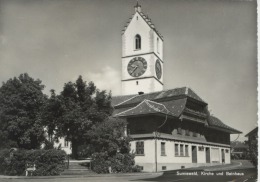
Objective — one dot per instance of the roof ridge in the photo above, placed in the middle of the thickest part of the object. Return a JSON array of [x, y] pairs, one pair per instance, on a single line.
[[156, 108], [130, 108], [134, 96], [188, 88]]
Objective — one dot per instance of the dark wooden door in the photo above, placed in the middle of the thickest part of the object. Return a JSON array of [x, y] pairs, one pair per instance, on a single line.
[[207, 155], [223, 155], [194, 154]]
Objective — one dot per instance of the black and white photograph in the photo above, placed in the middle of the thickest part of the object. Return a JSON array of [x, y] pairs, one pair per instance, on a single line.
[[128, 90]]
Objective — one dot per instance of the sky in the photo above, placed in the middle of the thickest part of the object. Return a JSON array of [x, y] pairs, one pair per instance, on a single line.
[[209, 46]]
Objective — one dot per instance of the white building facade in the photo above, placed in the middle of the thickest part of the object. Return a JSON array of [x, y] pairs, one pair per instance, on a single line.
[[171, 129], [142, 56]]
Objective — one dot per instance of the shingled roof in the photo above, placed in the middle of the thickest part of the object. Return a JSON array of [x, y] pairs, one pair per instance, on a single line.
[[183, 92], [171, 102], [217, 123], [145, 107], [172, 108]]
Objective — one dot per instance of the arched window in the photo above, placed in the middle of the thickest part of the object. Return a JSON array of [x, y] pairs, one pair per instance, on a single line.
[[137, 42]]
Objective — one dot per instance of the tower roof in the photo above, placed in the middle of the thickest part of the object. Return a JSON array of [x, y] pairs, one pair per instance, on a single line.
[[145, 18], [137, 6]]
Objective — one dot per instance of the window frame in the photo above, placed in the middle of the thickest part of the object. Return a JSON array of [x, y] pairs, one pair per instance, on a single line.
[[139, 148], [181, 150], [138, 42], [163, 147], [186, 149], [176, 149], [66, 143]]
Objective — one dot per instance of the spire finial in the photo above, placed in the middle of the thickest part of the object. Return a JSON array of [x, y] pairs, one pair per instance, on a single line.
[[137, 6]]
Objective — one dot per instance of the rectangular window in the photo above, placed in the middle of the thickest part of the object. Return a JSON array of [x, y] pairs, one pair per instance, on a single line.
[[227, 150], [163, 148], [66, 143], [186, 150], [164, 168], [176, 149], [181, 150], [140, 148]]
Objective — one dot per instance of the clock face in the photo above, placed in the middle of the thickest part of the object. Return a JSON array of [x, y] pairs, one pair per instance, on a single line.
[[158, 69], [137, 66]]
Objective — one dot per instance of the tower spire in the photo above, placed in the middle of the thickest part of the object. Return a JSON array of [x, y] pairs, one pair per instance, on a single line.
[[137, 6]]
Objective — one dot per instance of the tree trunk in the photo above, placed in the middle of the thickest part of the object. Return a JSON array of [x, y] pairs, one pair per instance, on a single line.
[[74, 149]]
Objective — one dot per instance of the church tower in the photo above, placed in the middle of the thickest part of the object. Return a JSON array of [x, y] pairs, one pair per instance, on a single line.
[[142, 55]]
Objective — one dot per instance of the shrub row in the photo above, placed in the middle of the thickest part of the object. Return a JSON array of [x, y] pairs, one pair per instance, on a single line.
[[48, 162], [119, 163]]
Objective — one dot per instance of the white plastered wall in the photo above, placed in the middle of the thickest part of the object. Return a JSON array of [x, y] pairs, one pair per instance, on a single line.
[[128, 39], [144, 85], [175, 162]]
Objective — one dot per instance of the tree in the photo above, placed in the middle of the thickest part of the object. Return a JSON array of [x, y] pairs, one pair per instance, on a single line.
[[111, 147], [72, 113], [253, 150], [109, 136], [21, 100]]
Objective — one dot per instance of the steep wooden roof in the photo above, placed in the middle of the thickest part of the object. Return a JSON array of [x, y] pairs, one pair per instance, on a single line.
[[255, 130], [168, 102], [173, 108], [218, 124], [171, 94]]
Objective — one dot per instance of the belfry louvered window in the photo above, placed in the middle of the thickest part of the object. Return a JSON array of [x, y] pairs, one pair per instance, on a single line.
[[137, 42]]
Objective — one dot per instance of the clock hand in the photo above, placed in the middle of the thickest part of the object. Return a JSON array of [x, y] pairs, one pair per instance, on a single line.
[[134, 69]]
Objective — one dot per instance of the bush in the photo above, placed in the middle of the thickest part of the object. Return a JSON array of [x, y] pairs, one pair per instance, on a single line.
[[253, 152], [119, 163], [48, 145], [48, 162], [4, 160]]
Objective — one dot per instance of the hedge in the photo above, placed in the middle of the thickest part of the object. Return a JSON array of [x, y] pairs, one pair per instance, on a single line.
[[119, 163], [48, 162]]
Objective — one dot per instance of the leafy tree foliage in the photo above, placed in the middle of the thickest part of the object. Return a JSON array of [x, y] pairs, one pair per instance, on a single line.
[[110, 137], [253, 151], [111, 147], [21, 100], [72, 113]]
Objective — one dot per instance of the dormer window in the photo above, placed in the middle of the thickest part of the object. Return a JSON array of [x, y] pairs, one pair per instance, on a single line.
[[137, 42]]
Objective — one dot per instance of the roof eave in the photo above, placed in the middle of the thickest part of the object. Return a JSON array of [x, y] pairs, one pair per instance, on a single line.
[[252, 131], [231, 131], [145, 114]]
